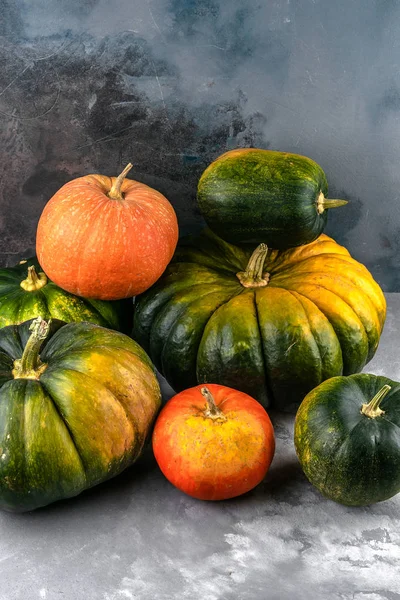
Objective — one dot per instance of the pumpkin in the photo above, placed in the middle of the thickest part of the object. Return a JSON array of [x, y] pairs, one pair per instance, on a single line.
[[73, 416], [273, 324], [213, 442], [26, 292], [347, 438], [264, 196], [106, 238]]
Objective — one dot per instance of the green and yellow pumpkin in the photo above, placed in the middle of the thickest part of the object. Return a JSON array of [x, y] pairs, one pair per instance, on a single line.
[[273, 324], [26, 293], [77, 402]]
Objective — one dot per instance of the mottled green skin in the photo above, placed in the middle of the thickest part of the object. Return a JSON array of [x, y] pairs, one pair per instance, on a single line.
[[18, 305], [199, 324], [349, 457], [253, 195], [78, 424]]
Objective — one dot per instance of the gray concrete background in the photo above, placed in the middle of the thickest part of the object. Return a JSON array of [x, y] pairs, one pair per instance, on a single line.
[[89, 85], [136, 537]]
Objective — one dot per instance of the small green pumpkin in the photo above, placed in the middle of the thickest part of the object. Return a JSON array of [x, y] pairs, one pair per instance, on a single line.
[[26, 293], [254, 195], [347, 438], [72, 417]]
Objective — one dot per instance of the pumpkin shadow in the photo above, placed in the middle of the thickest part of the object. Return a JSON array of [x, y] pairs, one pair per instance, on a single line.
[[282, 484], [282, 480], [118, 491]]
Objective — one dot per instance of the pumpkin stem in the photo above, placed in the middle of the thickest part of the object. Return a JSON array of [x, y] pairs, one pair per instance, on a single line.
[[212, 411], [34, 281], [115, 191], [372, 409], [254, 275], [29, 366], [323, 203]]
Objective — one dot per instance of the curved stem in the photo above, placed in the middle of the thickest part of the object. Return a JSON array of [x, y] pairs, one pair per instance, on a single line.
[[115, 191], [212, 411], [325, 203], [29, 366], [254, 275], [372, 409], [34, 281]]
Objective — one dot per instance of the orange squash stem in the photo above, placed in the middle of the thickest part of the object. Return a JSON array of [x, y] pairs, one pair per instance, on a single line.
[[212, 411], [115, 191]]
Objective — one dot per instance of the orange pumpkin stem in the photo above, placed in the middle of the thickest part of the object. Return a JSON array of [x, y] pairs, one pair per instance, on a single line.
[[212, 411], [115, 191]]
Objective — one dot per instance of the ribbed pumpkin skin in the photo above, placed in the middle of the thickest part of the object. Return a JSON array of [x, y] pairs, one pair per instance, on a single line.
[[18, 305], [253, 195], [82, 422], [320, 315], [351, 458], [98, 247]]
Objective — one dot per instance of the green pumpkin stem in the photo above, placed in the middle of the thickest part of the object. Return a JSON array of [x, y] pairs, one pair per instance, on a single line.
[[325, 203], [212, 411], [34, 281], [372, 409], [254, 275], [29, 366], [115, 191]]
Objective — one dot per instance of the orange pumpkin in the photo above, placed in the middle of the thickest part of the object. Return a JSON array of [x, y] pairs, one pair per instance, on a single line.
[[213, 442], [106, 237]]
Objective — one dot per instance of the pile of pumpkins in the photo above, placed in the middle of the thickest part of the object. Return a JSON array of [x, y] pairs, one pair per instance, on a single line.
[[261, 309]]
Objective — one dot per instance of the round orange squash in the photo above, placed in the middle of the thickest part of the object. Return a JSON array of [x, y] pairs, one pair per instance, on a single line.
[[106, 237], [214, 442]]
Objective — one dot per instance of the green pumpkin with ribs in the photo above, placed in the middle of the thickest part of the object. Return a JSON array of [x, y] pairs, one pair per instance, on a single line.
[[26, 292], [271, 323], [77, 402]]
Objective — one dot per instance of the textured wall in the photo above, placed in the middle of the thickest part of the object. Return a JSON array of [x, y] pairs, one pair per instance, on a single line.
[[89, 85]]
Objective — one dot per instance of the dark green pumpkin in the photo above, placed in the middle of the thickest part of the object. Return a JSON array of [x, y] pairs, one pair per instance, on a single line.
[[26, 292], [74, 417], [347, 438], [272, 324], [253, 195]]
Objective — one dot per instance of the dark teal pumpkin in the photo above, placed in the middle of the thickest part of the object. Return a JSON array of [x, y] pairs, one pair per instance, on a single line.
[[26, 293], [264, 196], [347, 438], [72, 417]]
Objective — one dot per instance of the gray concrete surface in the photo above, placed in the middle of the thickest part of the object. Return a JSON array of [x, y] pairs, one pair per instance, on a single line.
[[138, 538]]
